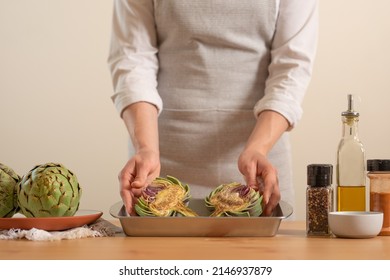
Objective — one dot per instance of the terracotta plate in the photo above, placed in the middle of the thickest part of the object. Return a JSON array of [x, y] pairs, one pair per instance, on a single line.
[[82, 217]]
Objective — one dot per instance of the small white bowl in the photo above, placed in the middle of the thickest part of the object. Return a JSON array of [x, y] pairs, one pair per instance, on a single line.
[[355, 224]]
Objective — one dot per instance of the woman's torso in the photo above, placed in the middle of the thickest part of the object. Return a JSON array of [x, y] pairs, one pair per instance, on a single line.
[[213, 64]]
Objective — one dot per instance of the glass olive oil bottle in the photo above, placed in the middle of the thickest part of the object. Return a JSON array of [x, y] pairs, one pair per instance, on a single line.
[[350, 168]]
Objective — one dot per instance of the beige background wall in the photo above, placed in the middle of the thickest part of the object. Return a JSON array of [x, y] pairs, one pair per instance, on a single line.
[[55, 88]]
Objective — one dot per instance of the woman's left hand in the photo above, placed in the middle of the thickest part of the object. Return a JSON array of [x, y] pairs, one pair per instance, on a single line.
[[260, 174]]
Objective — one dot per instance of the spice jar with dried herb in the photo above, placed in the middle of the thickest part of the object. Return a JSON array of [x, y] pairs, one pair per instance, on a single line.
[[319, 199]]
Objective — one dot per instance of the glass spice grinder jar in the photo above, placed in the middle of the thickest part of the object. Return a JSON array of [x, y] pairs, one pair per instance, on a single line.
[[379, 175], [319, 199]]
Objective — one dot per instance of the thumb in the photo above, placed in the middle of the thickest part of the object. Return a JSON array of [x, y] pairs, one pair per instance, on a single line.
[[140, 180], [251, 179]]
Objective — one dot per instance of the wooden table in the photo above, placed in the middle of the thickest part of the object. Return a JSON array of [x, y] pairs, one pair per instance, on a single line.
[[289, 243]]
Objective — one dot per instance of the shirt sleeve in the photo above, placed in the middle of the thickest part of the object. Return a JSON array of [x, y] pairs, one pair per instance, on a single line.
[[292, 57], [132, 55]]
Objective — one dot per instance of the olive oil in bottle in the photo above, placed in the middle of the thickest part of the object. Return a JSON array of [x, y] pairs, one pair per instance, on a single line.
[[350, 168]]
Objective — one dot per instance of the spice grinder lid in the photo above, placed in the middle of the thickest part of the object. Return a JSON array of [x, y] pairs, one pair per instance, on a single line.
[[319, 175], [378, 165]]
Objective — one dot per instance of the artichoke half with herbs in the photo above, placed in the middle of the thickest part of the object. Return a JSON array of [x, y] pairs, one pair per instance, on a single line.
[[165, 197], [234, 199], [49, 190], [8, 182]]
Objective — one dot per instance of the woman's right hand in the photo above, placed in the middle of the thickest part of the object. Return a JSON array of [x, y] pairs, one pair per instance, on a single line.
[[138, 172]]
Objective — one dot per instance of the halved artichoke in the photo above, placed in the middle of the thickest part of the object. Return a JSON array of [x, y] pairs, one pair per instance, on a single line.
[[49, 190], [165, 197], [8, 201], [234, 199]]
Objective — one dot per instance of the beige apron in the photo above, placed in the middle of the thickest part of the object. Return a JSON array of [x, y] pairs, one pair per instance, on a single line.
[[213, 59]]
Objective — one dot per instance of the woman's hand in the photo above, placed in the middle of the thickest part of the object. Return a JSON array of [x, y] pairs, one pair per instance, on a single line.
[[138, 172], [141, 122], [260, 174], [253, 163]]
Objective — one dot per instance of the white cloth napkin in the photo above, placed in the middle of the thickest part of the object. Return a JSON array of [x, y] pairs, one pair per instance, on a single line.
[[100, 228]]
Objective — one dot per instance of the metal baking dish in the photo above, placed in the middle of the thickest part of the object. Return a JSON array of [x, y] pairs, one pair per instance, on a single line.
[[202, 225]]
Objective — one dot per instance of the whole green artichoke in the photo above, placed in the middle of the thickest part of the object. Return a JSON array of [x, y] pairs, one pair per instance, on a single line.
[[49, 190], [234, 199], [8, 181]]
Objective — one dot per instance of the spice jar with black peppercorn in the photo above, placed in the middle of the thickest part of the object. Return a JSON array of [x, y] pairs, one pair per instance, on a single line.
[[319, 199]]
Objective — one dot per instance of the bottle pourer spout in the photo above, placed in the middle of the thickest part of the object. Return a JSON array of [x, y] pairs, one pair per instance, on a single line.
[[350, 112], [350, 102]]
